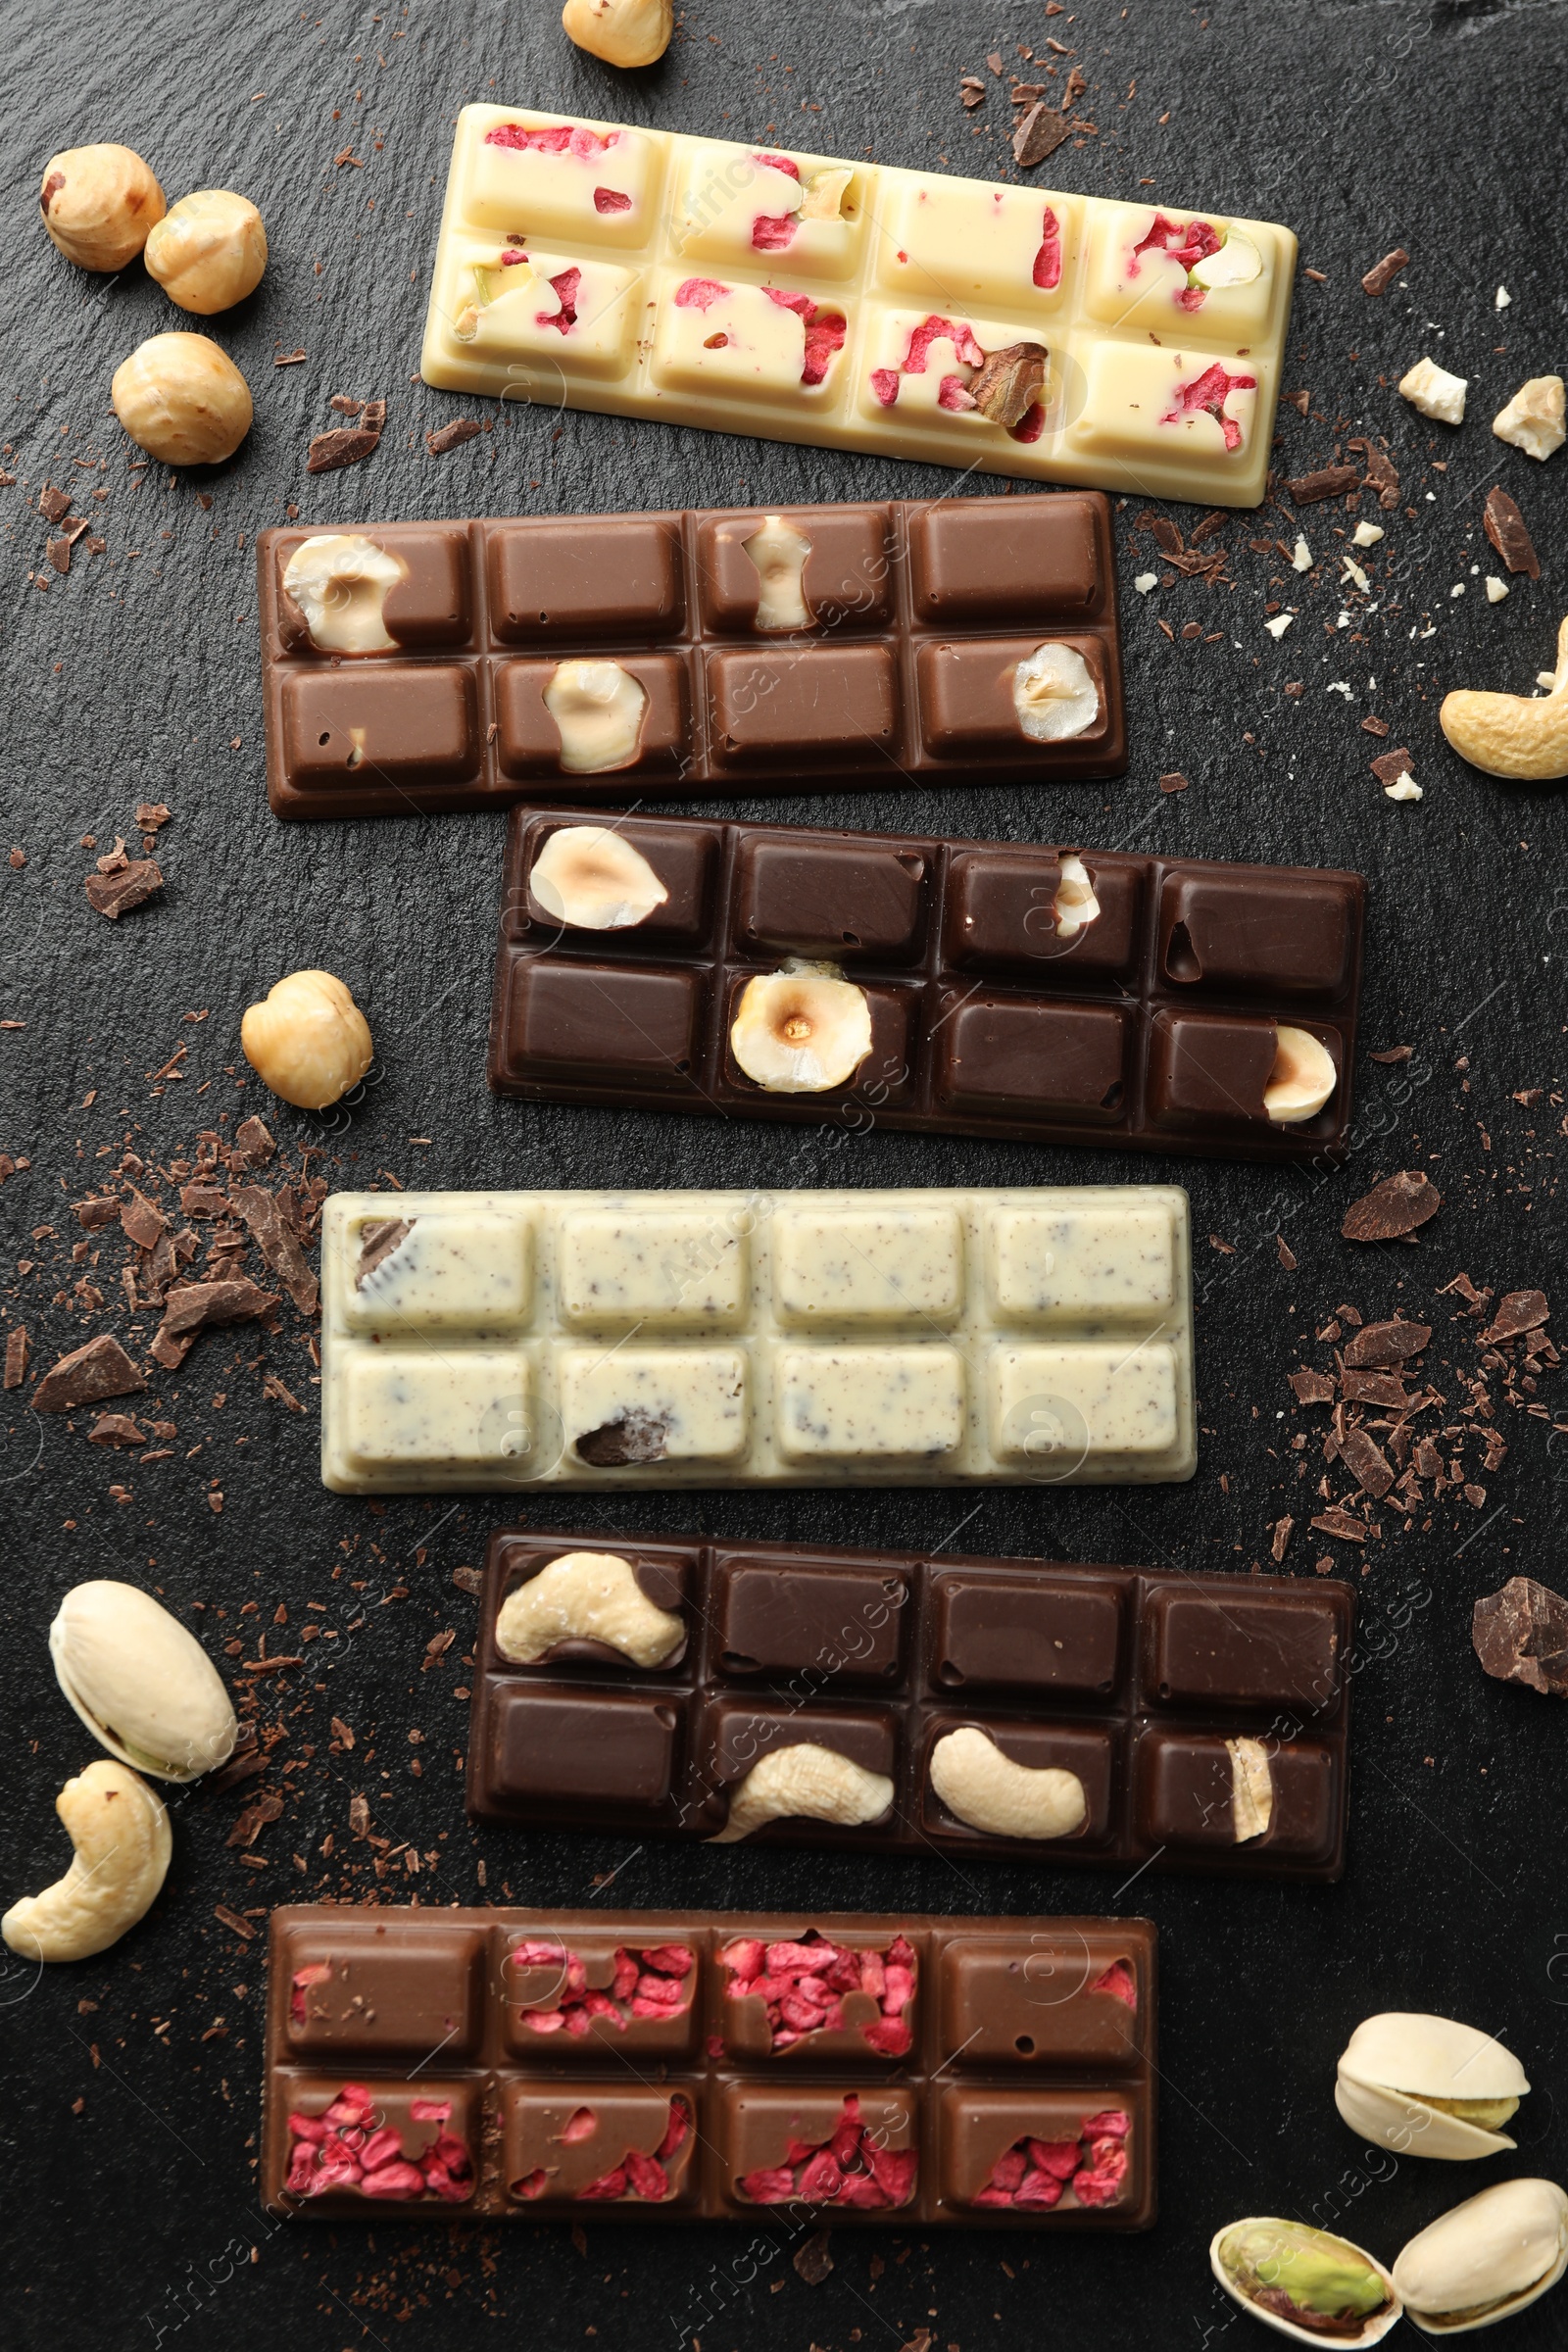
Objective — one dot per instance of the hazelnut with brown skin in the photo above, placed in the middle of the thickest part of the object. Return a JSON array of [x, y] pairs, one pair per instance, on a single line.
[[182, 400], [209, 251], [98, 205]]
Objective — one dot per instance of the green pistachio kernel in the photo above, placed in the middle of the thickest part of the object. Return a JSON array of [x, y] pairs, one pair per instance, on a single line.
[[1287, 2267]]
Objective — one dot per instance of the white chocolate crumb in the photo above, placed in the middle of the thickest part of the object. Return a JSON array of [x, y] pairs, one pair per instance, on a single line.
[[1535, 421], [1278, 627], [1404, 788], [1497, 589], [1457, 589], [1302, 557], [1353, 571], [1501, 298], [1367, 534], [1435, 392], [1144, 581]]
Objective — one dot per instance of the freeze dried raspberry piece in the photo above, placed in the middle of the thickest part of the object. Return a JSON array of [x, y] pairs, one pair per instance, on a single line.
[[1118, 1980], [338, 2149], [803, 1985], [557, 139], [649, 1984], [304, 1977], [638, 2177], [1038, 2172], [1185, 246], [1208, 395], [565, 285], [849, 2168], [1046, 271], [824, 332]]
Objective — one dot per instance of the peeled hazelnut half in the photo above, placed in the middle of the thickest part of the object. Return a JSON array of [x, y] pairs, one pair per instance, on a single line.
[[182, 400], [1237, 263], [1054, 694], [1076, 906], [1303, 1078], [624, 32], [598, 709], [306, 1039], [801, 1030], [340, 581], [209, 251], [98, 204], [778, 552], [593, 879]]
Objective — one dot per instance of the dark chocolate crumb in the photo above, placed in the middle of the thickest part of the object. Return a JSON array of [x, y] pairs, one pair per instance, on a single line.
[[1504, 526], [452, 436], [1393, 1209], [1382, 274]]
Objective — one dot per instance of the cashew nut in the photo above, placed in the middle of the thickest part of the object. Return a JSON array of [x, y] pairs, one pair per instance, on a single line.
[[1510, 734], [120, 1834], [814, 1783], [586, 1597], [984, 1788]]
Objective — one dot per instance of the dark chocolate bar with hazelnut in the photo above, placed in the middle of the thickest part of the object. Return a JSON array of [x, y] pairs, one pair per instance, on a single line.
[[972, 988], [760, 2067], [1021, 1710], [419, 667]]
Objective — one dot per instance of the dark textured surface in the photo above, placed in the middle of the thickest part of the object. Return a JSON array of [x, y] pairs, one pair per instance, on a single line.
[[1363, 125]]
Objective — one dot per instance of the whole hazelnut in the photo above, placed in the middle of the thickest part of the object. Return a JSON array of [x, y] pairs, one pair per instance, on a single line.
[[624, 32], [209, 251], [182, 400], [98, 204], [306, 1039]]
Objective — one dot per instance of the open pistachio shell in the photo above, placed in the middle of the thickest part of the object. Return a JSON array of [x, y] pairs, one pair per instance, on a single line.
[[143, 1685], [1274, 2268], [1428, 2086], [1486, 2258]]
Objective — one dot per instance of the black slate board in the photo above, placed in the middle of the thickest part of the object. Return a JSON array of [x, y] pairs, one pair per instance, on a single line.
[[130, 2139]]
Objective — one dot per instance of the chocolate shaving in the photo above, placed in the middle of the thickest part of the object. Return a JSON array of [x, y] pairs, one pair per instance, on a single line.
[[1504, 526], [468, 1580], [277, 1243], [53, 505], [1382, 474], [1279, 1543], [1343, 1524], [190, 1311], [102, 1210], [1329, 481], [632, 1437], [1382, 1344], [273, 1387], [140, 1221], [1011, 382], [1393, 1209], [1384, 1390], [1367, 1464], [360, 1815], [233, 1921], [1517, 1311], [1285, 1255], [1311, 1388], [254, 1820], [1521, 1636], [242, 1768], [346, 446], [1390, 766], [1175, 782], [377, 1243], [86, 1376], [453, 435], [112, 894], [1038, 134], [1382, 274], [116, 1429], [1166, 535], [254, 1142], [812, 2260], [1392, 1053], [15, 1356]]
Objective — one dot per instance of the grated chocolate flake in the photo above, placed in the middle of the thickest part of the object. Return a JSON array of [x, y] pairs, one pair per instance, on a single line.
[[1391, 1210]]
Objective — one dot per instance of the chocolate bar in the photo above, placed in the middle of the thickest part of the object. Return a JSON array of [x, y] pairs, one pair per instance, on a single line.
[[420, 666], [706, 1338], [1014, 331], [969, 988], [794, 1694], [710, 2066]]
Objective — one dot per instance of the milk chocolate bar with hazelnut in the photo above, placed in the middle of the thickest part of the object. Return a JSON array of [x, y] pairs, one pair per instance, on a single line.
[[671, 2065], [420, 666], [958, 987], [749, 289], [899, 1703], [890, 1337]]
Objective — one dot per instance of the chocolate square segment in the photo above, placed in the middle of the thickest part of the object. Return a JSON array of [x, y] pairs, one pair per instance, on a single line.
[[845, 1624], [360, 1989], [432, 604], [1086, 1750], [371, 725], [999, 917], [965, 694], [970, 567], [837, 705], [993, 1634], [1182, 1798], [682, 856], [1291, 933], [1209, 1068], [610, 1020], [1048, 2001], [844, 900], [1001, 1053], [1234, 1653], [759, 2126], [578, 1750], [847, 579], [573, 2000], [528, 740], [736, 1734], [598, 576], [886, 1068], [977, 2129], [585, 2144]]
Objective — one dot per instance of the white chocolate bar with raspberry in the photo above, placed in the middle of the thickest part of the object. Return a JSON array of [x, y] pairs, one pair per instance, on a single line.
[[677, 1339], [1001, 328]]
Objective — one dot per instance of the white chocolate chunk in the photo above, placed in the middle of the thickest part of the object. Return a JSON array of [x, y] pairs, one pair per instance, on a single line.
[[1367, 534], [436, 1410], [989, 1791], [1435, 392], [1534, 420], [806, 1782], [1058, 1265], [586, 1597], [1076, 906], [636, 1406], [1252, 1789], [869, 1403], [1278, 627], [1049, 1407], [778, 550], [1497, 589], [845, 1266], [1302, 556], [340, 581], [654, 1271], [1144, 581], [1054, 694], [599, 709], [591, 878]]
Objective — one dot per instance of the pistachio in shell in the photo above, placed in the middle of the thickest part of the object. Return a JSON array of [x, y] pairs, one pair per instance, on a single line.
[[1428, 2086], [1486, 2259], [1304, 2282], [142, 1685]]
